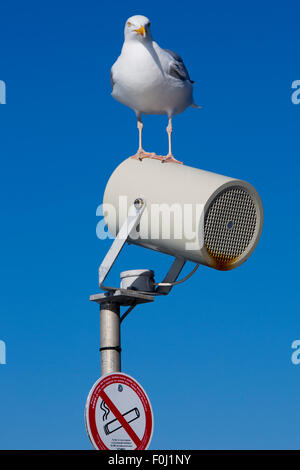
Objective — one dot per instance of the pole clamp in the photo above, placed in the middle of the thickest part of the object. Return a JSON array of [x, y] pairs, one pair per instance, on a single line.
[[115, 348]]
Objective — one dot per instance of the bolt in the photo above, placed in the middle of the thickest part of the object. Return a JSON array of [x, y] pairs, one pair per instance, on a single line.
[[138, 203]]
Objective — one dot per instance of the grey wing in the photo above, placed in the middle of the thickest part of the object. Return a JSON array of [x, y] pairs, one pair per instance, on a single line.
[[177, 69]]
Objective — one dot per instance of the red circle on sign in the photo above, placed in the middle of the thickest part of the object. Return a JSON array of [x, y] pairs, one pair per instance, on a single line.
[[99, 391]]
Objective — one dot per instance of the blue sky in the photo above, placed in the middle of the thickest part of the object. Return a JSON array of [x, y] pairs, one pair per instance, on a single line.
[[214, 356]]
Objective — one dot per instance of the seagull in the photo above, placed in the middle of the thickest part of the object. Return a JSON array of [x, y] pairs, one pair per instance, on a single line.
[[150, 80]]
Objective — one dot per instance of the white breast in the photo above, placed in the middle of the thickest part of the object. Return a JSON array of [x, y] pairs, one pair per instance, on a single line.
[[141, 82]]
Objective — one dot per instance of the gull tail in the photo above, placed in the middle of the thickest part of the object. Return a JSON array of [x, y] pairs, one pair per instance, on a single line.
[[193, 105]]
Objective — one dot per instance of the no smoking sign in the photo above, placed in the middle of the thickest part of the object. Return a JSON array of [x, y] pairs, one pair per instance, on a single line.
[[118, 414]]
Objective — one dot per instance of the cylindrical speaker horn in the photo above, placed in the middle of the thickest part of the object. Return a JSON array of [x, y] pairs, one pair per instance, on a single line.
[[199, 215]]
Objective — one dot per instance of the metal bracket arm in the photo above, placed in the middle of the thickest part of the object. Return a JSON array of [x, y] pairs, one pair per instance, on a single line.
[[129, 226], [171, 276]]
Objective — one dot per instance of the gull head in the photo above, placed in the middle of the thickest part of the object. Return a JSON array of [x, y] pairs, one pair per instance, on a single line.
[[137, 28]]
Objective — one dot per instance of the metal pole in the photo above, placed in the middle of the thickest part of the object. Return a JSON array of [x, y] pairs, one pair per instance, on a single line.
[[110, 342]]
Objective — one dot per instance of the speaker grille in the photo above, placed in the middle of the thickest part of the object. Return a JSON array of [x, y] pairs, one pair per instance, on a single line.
[[229, 226]]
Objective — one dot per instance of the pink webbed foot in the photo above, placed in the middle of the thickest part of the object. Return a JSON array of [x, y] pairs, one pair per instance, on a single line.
[[170, 159], [141, 154]]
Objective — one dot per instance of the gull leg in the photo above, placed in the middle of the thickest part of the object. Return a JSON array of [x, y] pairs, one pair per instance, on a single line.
[[170, 158], [141, 153]]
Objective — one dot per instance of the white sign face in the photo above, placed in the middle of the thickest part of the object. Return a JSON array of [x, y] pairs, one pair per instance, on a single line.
[[118, 414]]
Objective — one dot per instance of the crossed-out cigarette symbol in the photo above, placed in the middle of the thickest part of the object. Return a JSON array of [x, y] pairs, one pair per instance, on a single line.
[[114, 424]]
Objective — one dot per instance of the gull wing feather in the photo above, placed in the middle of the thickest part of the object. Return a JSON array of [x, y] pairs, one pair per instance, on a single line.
[[177, 69]]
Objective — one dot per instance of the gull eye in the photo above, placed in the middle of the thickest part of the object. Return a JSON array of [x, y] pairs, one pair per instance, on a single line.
[[129, 24]]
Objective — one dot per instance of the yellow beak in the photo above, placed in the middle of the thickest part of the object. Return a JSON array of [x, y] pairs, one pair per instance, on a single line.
[[141, 31]]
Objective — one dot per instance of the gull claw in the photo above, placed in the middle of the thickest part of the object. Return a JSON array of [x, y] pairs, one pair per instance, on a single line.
[[141, 154], [170, 159]]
